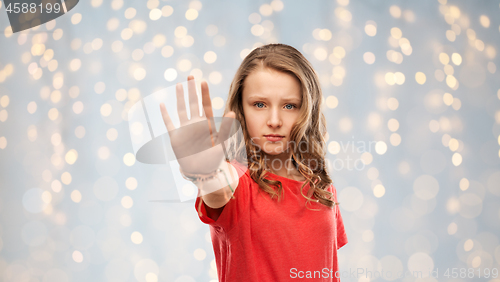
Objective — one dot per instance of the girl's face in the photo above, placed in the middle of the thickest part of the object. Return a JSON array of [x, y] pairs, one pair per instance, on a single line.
[[271, 102]]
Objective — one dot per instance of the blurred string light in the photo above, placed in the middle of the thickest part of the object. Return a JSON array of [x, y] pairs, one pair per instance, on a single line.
[[131, 34], [421, 78]]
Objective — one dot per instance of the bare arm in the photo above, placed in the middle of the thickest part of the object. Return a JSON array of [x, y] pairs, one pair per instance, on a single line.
[[189, 143], [216, 192]]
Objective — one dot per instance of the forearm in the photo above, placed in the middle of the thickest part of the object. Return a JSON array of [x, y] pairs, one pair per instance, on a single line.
[[216, 192]]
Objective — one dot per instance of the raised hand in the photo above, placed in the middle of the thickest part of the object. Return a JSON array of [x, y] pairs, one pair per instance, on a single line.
[[196, 144]]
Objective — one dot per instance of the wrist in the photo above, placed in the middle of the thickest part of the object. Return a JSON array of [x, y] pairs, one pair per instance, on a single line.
[[199, 177], [222, 182]]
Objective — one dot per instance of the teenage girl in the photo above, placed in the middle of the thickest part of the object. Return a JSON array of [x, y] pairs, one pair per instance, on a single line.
[[279, 219]]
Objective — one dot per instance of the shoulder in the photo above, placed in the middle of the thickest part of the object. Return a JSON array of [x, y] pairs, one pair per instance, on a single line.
[[331, 188]]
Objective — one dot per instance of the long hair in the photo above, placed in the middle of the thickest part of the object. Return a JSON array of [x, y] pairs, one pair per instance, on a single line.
[[308, 144]]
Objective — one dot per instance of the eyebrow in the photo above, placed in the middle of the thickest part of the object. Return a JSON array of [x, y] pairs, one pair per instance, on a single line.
[[290, 99]]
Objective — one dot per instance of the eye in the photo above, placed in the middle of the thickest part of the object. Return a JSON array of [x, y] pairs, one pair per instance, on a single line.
[[258, 103], [292, 106]]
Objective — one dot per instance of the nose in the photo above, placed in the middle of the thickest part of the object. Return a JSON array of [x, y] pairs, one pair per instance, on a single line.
[[274, 119]]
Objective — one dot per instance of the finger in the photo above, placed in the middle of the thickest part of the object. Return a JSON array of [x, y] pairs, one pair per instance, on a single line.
[[226, 125], [207, 102], [207, 109], [181, 105], [194, 106], [166, 118]]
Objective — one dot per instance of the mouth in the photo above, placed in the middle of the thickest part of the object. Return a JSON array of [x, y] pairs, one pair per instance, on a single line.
[[274, 137]]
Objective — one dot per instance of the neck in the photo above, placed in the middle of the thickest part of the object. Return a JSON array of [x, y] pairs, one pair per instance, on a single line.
[[281, 165]]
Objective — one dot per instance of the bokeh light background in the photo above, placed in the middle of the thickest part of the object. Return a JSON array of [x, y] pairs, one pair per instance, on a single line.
[[411, 91]]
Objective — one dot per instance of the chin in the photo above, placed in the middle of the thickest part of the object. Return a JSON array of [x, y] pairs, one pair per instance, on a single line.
[[273, 153], [273, 150]]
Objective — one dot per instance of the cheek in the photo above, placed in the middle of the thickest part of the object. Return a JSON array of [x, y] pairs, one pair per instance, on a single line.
[[254, 126], [288, 123], [251, 128]]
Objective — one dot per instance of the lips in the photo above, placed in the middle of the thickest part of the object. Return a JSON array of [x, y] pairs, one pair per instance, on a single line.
[[274, 137]]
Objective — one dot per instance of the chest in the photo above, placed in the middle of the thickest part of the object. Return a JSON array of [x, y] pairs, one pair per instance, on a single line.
[[290, 216]]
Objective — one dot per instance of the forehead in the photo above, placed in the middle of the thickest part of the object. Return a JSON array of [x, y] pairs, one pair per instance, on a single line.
[[270, 83]]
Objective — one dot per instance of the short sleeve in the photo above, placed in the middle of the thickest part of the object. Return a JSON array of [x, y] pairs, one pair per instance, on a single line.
[[228, 215], [341, 235]]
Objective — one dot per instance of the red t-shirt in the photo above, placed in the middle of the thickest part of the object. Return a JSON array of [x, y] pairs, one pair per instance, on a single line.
[[256, 238]]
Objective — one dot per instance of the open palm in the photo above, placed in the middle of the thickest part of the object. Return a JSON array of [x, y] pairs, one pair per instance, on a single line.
[[196, 143]]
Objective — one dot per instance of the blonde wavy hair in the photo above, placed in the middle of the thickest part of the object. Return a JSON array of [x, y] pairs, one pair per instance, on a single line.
[[308, 134]]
